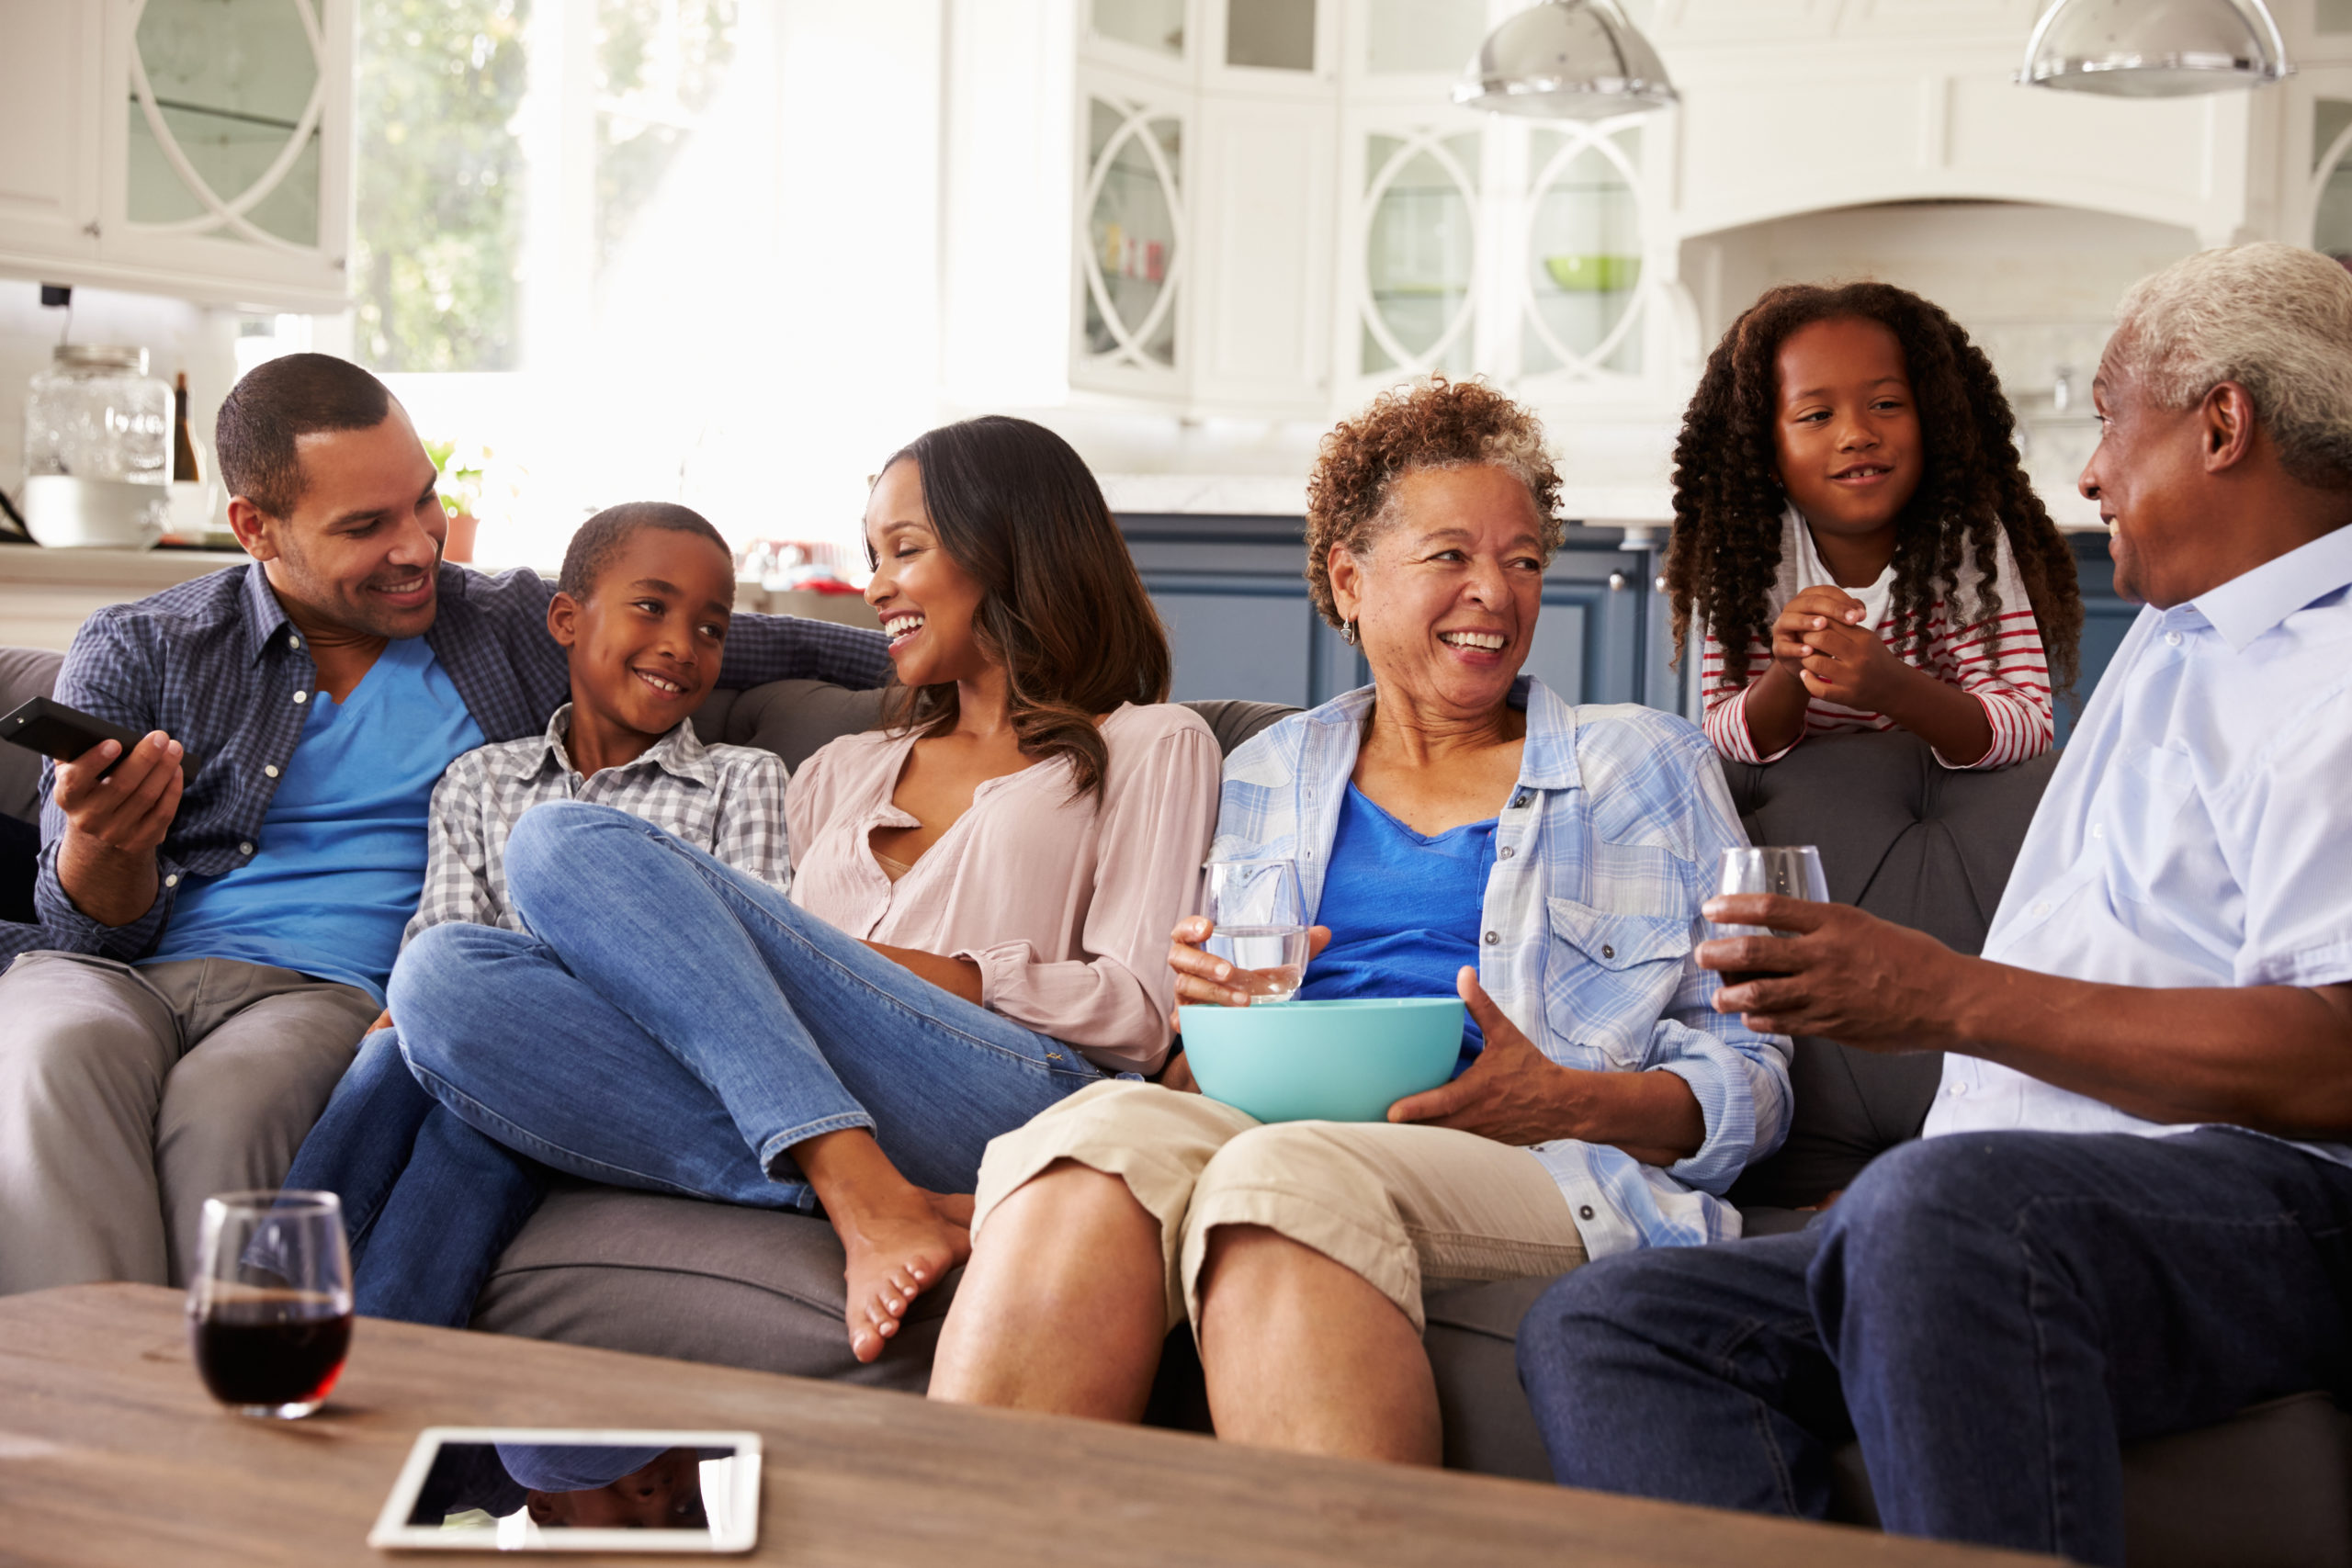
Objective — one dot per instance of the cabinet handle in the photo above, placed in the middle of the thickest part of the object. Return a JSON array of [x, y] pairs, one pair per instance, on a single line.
[[1660, 582], [91, 228], [1616, 583]]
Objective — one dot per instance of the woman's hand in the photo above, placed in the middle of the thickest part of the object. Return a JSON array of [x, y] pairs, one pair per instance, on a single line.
[[1205, 979], [383, 1021], [1514, 1094]]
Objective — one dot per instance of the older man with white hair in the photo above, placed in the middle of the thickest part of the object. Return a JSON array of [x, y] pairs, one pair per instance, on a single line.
[[2132, 1211]]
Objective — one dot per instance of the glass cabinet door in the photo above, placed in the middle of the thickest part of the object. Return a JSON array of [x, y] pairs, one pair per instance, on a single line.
[[1424, 37], [2332, 209], [1584, 254], [1420, 251], [226, 97], [1154, 25], [1133, 202]]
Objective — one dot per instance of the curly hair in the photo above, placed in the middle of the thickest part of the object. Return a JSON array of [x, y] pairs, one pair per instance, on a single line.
[[1429, 423], [1728, 501]]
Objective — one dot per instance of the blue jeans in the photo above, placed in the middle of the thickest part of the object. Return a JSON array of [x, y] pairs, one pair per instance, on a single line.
[[428, 1202], [1991, 1314], [673, 1025]]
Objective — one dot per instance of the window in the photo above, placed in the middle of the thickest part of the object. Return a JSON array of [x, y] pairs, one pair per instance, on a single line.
[[563, 207]]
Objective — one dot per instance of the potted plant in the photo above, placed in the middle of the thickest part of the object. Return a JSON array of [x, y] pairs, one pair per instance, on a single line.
[[460, 487]]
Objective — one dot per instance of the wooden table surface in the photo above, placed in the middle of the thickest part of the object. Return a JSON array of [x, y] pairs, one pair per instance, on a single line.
[[111, 1452]]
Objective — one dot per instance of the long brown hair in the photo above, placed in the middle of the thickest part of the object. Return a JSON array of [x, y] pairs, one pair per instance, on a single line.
[[1062, 606], [1728, 501]]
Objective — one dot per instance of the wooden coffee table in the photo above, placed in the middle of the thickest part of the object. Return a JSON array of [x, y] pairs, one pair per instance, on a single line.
[[111, 1452]]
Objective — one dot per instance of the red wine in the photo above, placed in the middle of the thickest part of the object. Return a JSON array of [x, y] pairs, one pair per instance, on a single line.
[[284, 1348]]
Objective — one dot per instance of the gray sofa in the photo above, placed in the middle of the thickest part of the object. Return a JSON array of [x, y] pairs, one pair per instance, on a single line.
[[1899, 836]]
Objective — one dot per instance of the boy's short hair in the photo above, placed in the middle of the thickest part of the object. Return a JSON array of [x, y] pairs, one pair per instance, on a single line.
[[601, 537], [275, 404]]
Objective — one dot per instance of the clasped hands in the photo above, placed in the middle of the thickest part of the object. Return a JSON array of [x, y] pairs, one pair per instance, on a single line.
[[1820, 640]]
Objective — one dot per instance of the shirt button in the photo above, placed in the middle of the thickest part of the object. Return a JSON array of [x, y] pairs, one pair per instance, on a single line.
[[269, 770], [301, 696], [293, 641], [173, 880], [1607, 951], [1505, 852], [2041, 910], [244, 849], [1583, 1211], [2172, 639], [2098, 831], [1958, 1089], [1493, 937]]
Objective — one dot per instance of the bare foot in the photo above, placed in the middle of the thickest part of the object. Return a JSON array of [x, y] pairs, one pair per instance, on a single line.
[[899, 1247], [955, 1208]]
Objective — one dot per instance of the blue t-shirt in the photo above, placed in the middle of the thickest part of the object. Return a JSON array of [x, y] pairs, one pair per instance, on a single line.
[[1403, 910], [340, 862]]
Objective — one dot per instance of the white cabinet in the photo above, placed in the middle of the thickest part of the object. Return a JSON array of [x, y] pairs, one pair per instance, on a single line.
[[194, 147]]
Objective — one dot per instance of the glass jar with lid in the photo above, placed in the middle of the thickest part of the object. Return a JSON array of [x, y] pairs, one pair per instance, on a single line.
[[98, 449]]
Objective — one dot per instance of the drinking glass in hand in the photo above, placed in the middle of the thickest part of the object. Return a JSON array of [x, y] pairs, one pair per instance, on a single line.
[[1792, 871], [1260, 925], [270, 1307]]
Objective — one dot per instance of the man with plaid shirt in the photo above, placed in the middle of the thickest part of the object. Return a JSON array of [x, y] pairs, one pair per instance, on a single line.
[[204, 966]]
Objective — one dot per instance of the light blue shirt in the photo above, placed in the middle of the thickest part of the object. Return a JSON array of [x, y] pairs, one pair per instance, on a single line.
[[1603, 853], [2197, 830], [335, 873]]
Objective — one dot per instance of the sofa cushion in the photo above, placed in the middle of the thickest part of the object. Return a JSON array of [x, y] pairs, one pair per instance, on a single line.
[[24, 673], [755, 1288], [1912, 841]]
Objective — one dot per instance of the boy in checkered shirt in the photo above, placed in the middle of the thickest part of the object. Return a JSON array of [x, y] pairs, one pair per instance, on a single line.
[[641, 611]]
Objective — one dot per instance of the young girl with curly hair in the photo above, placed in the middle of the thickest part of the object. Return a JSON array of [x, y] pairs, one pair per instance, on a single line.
[[1851, 517]]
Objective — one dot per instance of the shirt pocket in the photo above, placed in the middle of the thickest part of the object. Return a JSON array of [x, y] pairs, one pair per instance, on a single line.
[[2140, 831], [1611, 975]]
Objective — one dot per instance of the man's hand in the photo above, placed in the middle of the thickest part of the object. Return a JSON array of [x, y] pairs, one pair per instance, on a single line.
[[1847, 976], [113, 825], [383, 1021]]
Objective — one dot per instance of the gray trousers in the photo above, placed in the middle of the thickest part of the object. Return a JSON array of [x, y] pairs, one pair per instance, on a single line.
[[129, 1096]]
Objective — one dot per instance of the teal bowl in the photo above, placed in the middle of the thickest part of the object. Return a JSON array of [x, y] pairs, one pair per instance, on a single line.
[[1339, 1061]]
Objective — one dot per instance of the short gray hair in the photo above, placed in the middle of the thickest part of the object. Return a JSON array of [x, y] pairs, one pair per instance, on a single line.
[[2275, 319]]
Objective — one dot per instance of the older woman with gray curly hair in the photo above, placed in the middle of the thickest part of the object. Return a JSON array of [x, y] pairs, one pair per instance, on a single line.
[[1458, 828]]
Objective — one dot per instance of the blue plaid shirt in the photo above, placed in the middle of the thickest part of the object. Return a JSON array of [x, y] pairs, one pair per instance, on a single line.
[[215, 665], [1609, 844]]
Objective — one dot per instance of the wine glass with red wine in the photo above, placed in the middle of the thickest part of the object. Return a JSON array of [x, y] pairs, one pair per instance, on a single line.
[[1793, 871], [270, 1307]]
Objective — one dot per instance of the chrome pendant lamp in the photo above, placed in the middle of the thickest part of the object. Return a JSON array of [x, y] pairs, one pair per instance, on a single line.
[[1566, 59], [2154, 48]]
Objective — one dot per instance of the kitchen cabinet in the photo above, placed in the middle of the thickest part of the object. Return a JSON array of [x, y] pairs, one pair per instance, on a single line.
[[1271, 209], [194, 147], [1233, 596]]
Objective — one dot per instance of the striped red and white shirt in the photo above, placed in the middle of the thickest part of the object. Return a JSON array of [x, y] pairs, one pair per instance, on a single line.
[[2001, 665]]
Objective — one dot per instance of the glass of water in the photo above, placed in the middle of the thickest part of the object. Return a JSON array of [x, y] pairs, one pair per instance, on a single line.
[[1793, 871], [1260, 925]]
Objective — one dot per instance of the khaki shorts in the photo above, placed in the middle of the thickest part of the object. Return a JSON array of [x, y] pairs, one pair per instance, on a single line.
[[1398, 1204]]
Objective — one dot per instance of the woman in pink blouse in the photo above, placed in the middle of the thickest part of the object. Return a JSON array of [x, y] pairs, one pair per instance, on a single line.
[[1005, 858]]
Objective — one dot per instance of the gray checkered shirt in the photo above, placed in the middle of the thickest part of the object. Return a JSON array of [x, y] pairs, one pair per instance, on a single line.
[[726, 799]]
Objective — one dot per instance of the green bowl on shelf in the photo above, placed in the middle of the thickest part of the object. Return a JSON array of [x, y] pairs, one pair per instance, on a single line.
[[1336, 1060], [1593, 274]]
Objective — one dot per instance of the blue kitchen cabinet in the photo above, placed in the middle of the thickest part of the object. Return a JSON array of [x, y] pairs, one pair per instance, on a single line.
[[1233, 593]]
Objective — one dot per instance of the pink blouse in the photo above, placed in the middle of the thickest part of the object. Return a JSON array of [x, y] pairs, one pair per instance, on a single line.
[[1066, 905]]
